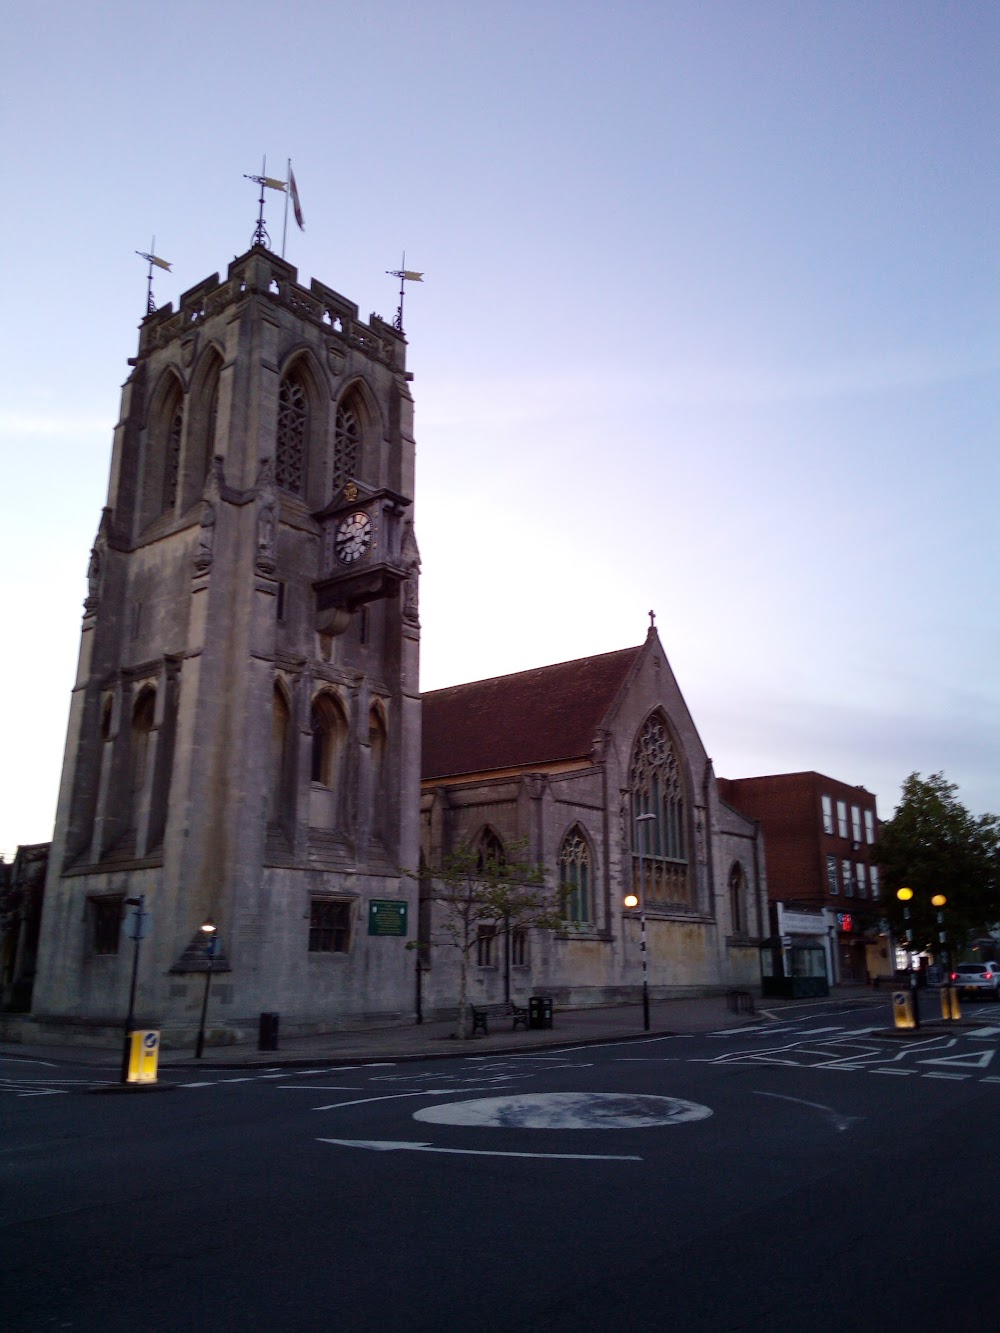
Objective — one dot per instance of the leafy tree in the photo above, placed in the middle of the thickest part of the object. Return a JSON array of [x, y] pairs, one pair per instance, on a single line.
[[475, 890], [933, 845]]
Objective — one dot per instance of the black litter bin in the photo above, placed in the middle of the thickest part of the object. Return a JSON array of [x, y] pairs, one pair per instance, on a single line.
[[540, 1011], [267, 1039]]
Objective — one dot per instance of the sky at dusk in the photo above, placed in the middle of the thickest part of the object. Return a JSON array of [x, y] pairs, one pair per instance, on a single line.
[[710, 325]]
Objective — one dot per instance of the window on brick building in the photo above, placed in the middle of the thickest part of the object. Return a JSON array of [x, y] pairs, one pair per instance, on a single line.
[[848, 878], [842, 818], [827, 814], [832, 882], [862, 873], [876, 884], [856, 823], [869, 826]]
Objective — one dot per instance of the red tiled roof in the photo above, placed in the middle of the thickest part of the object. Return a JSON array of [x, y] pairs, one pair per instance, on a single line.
[[532, 717]]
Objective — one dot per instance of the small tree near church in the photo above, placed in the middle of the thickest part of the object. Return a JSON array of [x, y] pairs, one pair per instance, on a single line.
[[476, 891]]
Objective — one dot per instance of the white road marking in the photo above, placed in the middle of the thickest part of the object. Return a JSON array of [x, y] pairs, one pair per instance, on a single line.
[[319, 1087], [931, 1074], [565, 1110], [902, 1073], [196, 1085], [969, 1060], [840, 1121], [389, 1097], [984, 1032], [383, 1145]]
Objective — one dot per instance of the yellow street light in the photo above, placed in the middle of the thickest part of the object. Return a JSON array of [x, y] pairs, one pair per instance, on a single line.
[[904, 895], [939, 900], [631, 900]]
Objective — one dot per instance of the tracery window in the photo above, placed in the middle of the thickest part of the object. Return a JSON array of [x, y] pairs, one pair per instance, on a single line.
[[346, 444], [658, 813], [490, 855], [293, 426], [574, 877]]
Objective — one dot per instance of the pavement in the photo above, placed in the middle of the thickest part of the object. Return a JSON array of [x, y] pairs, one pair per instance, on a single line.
[[421, 1041]]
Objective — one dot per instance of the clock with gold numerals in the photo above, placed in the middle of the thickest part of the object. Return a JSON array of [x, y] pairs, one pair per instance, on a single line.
[[353, 537]]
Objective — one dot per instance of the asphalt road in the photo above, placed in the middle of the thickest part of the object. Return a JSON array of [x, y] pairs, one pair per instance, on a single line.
[[794, 1176]]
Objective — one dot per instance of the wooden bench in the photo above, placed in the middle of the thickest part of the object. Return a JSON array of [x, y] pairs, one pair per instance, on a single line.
[[482, 1013]]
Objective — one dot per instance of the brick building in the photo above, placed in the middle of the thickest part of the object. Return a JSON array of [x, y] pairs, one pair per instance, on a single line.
[[822, 884]]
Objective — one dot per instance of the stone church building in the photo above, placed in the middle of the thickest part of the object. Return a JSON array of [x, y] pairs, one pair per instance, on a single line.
[[244, 741]]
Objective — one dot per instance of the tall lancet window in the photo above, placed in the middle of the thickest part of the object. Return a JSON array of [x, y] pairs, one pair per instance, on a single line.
[[574, 877], [293, 428], [658, 819], [346, 444], [172, 453]]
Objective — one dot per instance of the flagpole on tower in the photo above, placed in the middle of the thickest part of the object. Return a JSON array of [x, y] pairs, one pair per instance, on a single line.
[[284, 225], [404, 275], [260, 236], [152, 259]]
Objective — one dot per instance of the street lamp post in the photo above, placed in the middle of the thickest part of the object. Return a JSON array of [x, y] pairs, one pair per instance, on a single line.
[[940, 902], [139, 905], [210, 929], [904, 896], [632, 901]]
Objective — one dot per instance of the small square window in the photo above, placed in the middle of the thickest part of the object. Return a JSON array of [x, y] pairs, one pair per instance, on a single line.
[[329, 926]]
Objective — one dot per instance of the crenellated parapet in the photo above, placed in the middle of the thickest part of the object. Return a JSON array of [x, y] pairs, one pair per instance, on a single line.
[[264, 276]]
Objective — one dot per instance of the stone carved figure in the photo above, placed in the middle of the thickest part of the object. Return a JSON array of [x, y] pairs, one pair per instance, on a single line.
[[267, 522], [411, 586], [209, 513], [98, 557]]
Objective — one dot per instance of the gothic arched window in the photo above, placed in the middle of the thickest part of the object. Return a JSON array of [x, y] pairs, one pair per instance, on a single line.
[[280, 729], [142, 726], [293, 431], [738, 899], [658, 819], [490, 854], [202, 423], [346, 443], [377, 742], [329, 734], [172, 451], [575, 877]]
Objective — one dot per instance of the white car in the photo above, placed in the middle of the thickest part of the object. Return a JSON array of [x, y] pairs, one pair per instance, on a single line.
[[977, 979]]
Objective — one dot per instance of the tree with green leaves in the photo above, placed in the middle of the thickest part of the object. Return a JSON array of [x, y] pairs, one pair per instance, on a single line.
[[933, 845], [476, 890]]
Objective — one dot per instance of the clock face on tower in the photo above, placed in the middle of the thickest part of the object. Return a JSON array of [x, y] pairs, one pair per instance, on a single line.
[[353, 537]]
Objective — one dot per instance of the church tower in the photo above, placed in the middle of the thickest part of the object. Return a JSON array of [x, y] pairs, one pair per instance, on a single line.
[[244, 735]]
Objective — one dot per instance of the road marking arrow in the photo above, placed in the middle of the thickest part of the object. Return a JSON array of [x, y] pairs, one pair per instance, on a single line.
[[970, 1060], [397, 1145]]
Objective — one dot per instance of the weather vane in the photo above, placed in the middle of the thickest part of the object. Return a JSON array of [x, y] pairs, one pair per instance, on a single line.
[[151, 258], [260, 236], [404, 275]]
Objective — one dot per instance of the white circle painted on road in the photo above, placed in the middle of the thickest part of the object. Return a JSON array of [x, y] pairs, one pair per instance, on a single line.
[[565, 1110]]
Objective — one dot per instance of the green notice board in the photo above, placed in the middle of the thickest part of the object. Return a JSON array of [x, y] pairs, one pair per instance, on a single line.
[[386, 916]]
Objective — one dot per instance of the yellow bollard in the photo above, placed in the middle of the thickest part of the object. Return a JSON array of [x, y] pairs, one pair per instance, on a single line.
[[950, 1008], [144, 1057], [902, 1009]]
